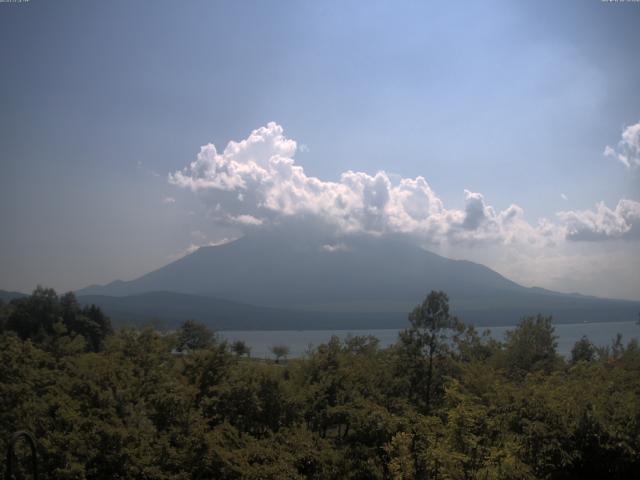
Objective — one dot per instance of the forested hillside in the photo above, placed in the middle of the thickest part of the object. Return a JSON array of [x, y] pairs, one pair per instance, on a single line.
[[444, 402]]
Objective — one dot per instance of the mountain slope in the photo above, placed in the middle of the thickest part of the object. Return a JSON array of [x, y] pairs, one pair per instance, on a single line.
[[374, 276], [268, 270], [7, 296], [169, 309]]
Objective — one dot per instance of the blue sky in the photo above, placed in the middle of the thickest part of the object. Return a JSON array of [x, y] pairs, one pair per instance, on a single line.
[[101, 101]]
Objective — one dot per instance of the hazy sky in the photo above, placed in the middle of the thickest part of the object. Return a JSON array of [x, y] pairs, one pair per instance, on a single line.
[[500, 126]]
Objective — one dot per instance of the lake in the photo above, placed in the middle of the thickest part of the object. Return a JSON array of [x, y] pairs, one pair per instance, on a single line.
[[299, 341]]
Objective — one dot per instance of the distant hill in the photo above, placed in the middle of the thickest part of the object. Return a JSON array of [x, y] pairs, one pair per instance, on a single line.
[[311, 284], [7, 296], [167, 310]]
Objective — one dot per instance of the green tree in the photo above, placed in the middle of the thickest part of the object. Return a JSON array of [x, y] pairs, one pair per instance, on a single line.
[[39, 317], [89, 321], [531, 347], [583, 351], [426, 341], [349, 410], [617, 346], [240, 348], [280, 351], [194, 336], [4, 315], [34, 316], [96, 325]]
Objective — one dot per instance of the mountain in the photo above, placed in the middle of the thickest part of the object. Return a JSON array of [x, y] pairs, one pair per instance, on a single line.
[[169, 309], [271, 271], [7, 296], [364, 275]]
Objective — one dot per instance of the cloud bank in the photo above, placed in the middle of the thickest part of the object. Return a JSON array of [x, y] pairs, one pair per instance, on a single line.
[[603, 223], [627, 151], [256, 182]]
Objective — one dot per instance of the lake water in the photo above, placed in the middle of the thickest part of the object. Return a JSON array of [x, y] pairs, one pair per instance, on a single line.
[[299, 341]]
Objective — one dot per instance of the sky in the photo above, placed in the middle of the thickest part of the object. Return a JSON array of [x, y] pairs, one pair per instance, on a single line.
[[506, 133]]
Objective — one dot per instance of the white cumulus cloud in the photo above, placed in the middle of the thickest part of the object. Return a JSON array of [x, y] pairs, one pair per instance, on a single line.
[[245, 220], [195, 246], [627, 151], [603, 222], [338, 247], [256, 182]]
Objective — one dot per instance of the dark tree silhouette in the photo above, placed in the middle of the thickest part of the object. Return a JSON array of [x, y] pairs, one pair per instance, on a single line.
[[240, 348], [428, 337], [194, 336], [280, 351]]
